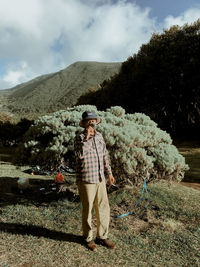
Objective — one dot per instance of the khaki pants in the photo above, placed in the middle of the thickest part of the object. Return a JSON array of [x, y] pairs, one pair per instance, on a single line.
[[94, 195]]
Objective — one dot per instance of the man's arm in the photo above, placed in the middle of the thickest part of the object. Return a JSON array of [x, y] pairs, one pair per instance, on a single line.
[[107, 166], [81, 147]]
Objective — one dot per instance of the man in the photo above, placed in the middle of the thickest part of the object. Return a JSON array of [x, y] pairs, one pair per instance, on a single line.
[[92, 164]]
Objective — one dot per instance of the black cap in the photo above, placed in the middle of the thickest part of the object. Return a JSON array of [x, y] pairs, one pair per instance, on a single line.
[[87, 115]]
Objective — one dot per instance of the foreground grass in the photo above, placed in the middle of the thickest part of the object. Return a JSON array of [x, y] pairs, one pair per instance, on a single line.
[[49, 234]]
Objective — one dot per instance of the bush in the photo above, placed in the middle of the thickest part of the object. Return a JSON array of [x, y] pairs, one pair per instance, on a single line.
[[12, 133], [138, 149]]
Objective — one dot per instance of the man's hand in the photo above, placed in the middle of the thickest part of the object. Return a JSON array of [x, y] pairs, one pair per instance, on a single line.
[[111, 180], [89, 131]]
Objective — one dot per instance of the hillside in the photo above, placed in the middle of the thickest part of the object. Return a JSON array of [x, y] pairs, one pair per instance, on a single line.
[[58, 90]]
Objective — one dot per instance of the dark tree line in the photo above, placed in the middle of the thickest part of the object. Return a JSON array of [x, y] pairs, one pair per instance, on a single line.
[[162, 80], [11, 134]]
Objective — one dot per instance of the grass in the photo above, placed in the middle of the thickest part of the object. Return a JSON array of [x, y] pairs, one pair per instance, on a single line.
[[191, 151], [49, 234], [192, 158], [44, 232]]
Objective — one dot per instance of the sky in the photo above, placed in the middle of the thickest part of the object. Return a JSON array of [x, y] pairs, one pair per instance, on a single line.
[[43, 36]]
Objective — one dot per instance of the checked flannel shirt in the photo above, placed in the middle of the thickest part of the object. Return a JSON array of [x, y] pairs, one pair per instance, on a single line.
[[91, 158]]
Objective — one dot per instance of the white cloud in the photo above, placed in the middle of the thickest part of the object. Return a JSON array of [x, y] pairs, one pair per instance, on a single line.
[[14, 77], [17, 74], [43, 36], [49, 35], [189, 16], [110, 33]]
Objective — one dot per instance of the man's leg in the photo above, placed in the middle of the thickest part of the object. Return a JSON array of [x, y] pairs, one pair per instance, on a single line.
[[102, 209], [103, 215], [87, 194]]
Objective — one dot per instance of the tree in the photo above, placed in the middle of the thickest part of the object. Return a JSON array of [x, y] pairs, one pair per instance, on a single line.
[[12, 133], [162, 80]]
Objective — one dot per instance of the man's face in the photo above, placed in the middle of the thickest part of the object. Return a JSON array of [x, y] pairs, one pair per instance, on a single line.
[[89, 122]]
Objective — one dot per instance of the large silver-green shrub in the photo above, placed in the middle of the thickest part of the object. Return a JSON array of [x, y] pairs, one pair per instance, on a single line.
[[138, 149]]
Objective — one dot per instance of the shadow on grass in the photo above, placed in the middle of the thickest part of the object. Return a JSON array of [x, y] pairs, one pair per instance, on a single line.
[[11, 195], [39, 231]]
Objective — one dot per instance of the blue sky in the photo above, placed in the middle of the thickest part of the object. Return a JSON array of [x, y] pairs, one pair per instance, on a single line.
[[162, 8], [44, 36]]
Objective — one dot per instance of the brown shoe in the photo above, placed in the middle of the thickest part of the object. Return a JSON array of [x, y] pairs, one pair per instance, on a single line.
[[106, 242], [91, 245]]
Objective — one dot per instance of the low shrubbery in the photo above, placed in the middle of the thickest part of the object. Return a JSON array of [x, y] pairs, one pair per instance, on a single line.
[[11, 133], [138, 149]]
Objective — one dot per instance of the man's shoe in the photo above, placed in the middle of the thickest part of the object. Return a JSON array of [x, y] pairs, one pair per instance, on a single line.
[[91, 245], [106, 242]]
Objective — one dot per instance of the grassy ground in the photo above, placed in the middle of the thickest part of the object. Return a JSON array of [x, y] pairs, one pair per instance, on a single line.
[[191, 152], [38, 230], [48, 233]]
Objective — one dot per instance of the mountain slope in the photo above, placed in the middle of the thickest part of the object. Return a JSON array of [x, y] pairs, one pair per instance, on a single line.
[[61, 89]]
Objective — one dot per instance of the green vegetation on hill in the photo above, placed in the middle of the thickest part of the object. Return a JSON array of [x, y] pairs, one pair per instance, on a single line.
[[59, 90], [162, 80]]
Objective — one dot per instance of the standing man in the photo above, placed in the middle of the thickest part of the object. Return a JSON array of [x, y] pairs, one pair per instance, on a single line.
[[91, 166]]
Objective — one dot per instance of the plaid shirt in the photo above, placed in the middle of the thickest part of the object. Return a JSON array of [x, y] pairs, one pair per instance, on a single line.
[[91, 158]]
